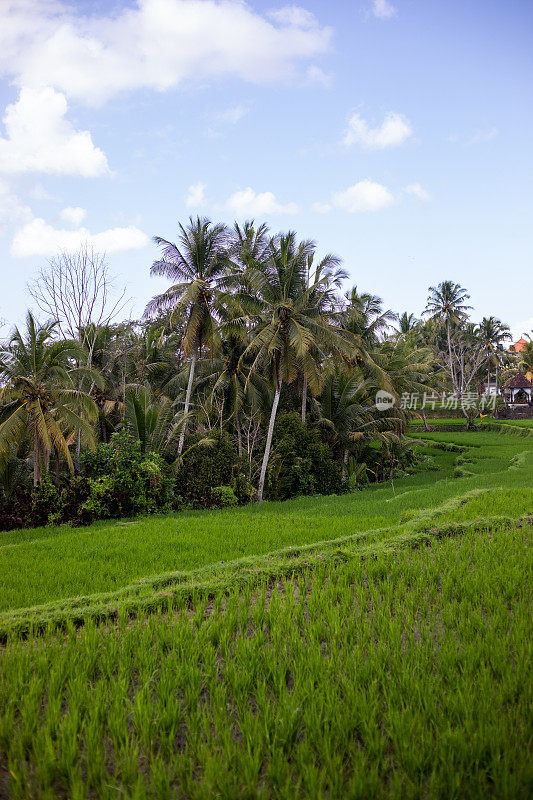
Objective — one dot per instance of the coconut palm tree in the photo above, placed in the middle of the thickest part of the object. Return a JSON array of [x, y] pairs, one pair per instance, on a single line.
[[322, 282], [40, 395], [492, 333], [291, 336], [198, 266], [346, 411], [365, 317], [406, 322], [447, 303]]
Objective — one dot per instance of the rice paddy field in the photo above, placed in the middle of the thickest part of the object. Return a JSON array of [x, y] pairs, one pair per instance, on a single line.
[[371, 645]]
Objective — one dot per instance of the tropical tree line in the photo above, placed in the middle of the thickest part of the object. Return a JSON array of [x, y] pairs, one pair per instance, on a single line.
[[253, 329]]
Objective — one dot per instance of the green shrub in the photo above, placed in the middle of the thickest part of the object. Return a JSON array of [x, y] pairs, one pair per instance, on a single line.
[[223, 497], [244, 491], [46, 503], [204, 467], [300, 463], [124, 482]]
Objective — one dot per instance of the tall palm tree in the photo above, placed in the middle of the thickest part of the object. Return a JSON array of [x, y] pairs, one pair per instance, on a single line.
[[40, 394], [365, 317], [447, 303], [198, 266], [347, 412], [322, 282], [291, 336], [492, 333], [406, 322]]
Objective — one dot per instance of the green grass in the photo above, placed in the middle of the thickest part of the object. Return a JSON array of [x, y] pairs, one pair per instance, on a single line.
[[403, 675], [44, 565], [374, 645]]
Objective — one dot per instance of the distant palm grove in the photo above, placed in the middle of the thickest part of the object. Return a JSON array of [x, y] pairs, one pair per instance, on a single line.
[[252, 376]]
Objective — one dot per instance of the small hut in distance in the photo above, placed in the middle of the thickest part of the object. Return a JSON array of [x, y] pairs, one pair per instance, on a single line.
[[518, 390]]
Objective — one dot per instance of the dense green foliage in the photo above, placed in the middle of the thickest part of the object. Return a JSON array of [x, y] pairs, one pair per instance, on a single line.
[[302, 464], [253, 326]]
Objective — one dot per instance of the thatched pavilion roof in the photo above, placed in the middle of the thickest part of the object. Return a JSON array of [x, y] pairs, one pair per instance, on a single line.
[[518, 381]]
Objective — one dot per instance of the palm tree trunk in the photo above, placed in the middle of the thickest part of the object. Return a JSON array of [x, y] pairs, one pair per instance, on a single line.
[[345, 463], [266, 456], [37, 466], [239, 433], [450, 353], [304, 399], [187, 401]]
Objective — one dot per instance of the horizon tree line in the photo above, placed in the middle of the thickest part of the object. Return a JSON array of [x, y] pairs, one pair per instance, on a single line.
[[250, 321]]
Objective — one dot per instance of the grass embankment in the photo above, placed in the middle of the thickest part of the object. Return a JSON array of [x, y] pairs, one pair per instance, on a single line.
[[405, 674], [385, 652], [48, 565]]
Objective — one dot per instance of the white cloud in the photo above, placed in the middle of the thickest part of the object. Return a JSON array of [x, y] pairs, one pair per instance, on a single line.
[[195, 195], [363, 196], [316, 75], [482, 136], [232, 115], [155, 44], [321, 208], [393, 131], [40, 139], [246, 203], [382, 9], [73, 215], [12, 211], [37, 238], [295, 16], [418, 191]]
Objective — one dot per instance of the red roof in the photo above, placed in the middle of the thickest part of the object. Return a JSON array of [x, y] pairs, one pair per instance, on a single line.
[[518, 381], [519, 345]]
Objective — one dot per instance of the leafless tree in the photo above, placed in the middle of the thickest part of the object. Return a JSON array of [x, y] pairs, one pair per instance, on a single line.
[[76, 289]]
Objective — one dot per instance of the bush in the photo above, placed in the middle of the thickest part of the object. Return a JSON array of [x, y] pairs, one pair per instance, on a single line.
[[300, 463], [46, 505], [122, 482], [223, 497], [204, 467], [244, 491]]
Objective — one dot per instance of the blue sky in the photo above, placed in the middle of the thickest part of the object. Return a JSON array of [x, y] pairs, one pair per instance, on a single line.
[[397, 133]]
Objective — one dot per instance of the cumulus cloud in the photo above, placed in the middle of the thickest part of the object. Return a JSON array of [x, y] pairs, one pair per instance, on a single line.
[[13, 211], [73, 215], [37, 238], [40, 139], [247, 203], [393, 131], [321, 208], [363, 196], [418, 191], [382, 9], [195, 195], [154, 44]]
